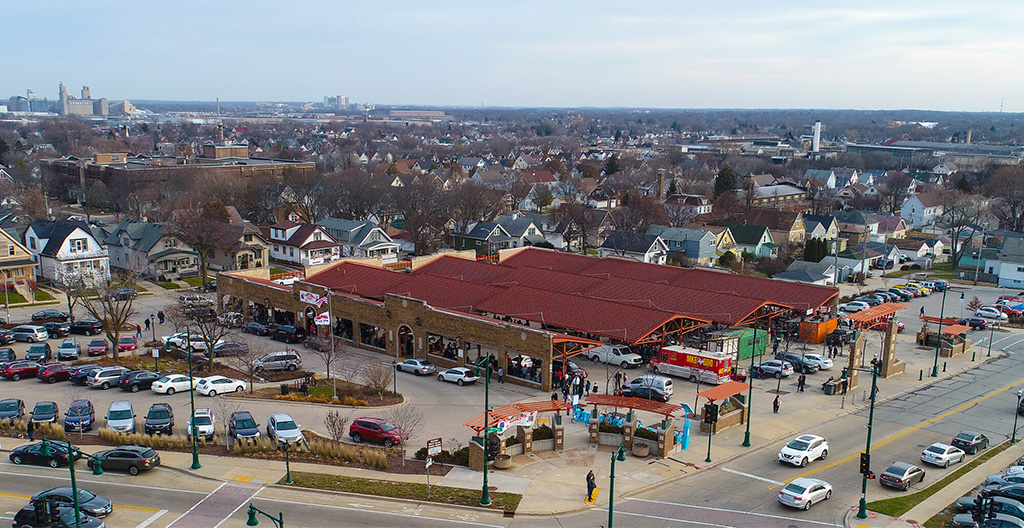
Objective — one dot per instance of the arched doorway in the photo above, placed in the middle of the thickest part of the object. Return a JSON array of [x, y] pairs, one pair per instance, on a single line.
[[405, 342], [308, 325]]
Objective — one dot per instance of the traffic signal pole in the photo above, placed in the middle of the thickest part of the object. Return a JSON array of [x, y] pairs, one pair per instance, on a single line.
[[862, 511]]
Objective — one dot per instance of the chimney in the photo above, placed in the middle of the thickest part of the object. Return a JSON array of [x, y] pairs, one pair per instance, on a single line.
[[220, 133], [969, 136], [816, 144], [661, 185]]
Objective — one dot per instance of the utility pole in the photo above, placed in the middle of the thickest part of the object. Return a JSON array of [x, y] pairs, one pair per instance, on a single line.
[[862, 511]]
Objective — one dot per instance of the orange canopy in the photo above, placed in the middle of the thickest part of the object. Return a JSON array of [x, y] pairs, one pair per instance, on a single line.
[[640, 404], [956, 329], [516, 409], [724, 390]]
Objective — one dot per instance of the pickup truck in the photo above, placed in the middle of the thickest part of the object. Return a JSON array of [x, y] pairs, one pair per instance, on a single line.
[[614, 355], [69, 350]]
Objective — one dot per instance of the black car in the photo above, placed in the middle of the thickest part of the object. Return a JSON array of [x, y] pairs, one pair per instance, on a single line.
[[57, 329], [209, 286], [970, 441], [160, 419], [256, 329], [6, 337], [288, 334], [88, 502], [41, 515], [839, 337], [201, 313], [130, 458], [12, 409], [976, 323], [123, 294], [33, 454], [800, 364], [80, 374], [647, 393], [47, 315], [137, 379], [86, 327]]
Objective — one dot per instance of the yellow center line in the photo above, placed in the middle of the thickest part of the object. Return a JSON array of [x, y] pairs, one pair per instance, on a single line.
[[906, 431], [15, 495]]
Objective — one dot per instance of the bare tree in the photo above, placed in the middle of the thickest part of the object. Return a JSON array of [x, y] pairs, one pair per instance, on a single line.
[[245, 361], [679, 215], [324, 350], [349, 367], [470, 203], [638, 213], [960, 211], [199, 223], [335, 424], [101, 299], [1007, 187], [377, 377], [410, 419], [209, 328], [223, 408]]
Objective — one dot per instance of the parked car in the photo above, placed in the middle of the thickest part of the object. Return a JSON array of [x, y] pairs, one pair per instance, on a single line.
[[230, 319], [124, 294], [127, 343], [97, 347], [215, 385], [376, 430], [242, 426], [647, 393], [970, 441], [33, 454], [823, 362], [991, 312], [69, 350], [57, 329], [159, 419], [230, 348], [16, 370], [615, 355], [105, 377], [205, 426], [1001, 520], [458, 375], [288, 334], [194, 299], [1008, 311], [80, 374], [280, 360], [45, 412], [12, 409], [120, 416], [173, 383], [7, 355], [943, 455], [137, 380], [803, 449], [39, 352], [80, 416], [49, 315], [59, 517], [804, 492], [30, 333], [839, 337], [870, 300], [572, 368], [130, 458], [282, 428], [774, 367], [54, 373], [1004, 479], [88, 502], [175, 339], [201, 313], [256, 329], [903, 295], [799, 363], [209, 287], [86, 327], [976, 323], [418, 367], [901, 475], [854, 306], [6, 337]]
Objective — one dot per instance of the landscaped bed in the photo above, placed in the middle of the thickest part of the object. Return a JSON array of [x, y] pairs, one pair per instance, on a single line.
[[322, 391]]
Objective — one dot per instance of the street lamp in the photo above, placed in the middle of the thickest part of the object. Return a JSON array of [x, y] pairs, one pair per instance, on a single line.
[[750, 390], [862, 511], [97, 469], [253, 521], [620, 455], [287, 464], [938, 343], [7, 294], [485, 496], [1013, 437], [192, 402]]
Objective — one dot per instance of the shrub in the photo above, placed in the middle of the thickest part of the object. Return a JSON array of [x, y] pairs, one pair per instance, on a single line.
[[606, 427], [915, 267], [543, 433], [461, 457], [353, 402], [511, 441], [646, 434]]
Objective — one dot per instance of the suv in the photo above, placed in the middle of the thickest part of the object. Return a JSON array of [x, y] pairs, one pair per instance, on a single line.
[[556, 366], [12, 409], [39, 352], [86, 327], [376, 430], [839, 337], [282, 428], [56, 329], [137, 379], [124, 294], [192, 299], [7, 354], [80, 416], [106, 377], [205, 425], [54, 373], [288, 334], [800, 364], [282, 360], [30, 333], [45, 411], [121, 417], [159, 419], [69, 349], [243, 426]]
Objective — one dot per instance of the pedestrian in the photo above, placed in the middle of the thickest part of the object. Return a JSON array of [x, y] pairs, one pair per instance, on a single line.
[[591, 486], [160, 316], [587, 387], [558, 379], [618, 379], [501, 375], [775, 347], [844, 384], [147, 325], [565, 393], [800, 382], [30, 428], [138, 331], [922, 311], [775, 404]]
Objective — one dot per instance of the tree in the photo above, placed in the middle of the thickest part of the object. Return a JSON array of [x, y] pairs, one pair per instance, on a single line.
[[32, 205], [209, 329], [335, 424], [97, 296], [725, 181], [960, 212], [426, 211], [200, 224], [542, 196], [1007, 187], [815, 249], [639, 213], [974, 304], [897, 190], [408, 418], [611, 165], [589, 170], [245, 362], [678, 215], [377, 377], [577, 222], [470, 203]]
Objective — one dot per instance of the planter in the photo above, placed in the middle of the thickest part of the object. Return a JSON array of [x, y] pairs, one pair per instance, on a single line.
[[514, 449], [641, 450], [609, 438], [502, 462], [544, 445]]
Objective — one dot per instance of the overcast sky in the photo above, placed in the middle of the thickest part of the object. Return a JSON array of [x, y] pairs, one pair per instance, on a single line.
[[938, 54]]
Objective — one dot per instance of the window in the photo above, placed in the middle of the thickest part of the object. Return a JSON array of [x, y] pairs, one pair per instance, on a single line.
[[10, 251], [171, 243], [291, 252], [78, 245], [32, 242], [277, 248], [1020, 269], [247, 238]]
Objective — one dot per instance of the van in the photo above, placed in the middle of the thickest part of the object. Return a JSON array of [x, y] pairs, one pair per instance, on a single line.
[[282, 360], [121, 417], [662, 383], [30, 333]]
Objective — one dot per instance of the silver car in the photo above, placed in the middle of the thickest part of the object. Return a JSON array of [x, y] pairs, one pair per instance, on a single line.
[[803, 492], [121, 417], [106, 377], [282, 428]]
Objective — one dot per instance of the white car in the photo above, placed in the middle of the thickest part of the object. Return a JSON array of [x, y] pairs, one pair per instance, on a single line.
[[174, 339], [215, 385], [803, 492], [615, 355], [282, 428], [942, 454], [418, 367], [775, 367], [458, 375], [854, 306], [804, 449], [823, 362], [174, 383], [989, 312], [206, 425]]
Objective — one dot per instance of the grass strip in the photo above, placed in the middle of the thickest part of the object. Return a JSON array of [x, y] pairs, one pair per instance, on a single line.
[[403, 490], [897, 506], [168, 285]]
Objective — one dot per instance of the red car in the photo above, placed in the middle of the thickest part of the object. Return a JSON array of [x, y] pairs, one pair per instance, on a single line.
[[126, 343], [16, 370], [98, 347], [1012, 312], [376, 430], [54, 372]]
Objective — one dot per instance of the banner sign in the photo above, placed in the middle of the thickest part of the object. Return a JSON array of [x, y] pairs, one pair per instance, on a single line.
[[323, 319], [308, 297]]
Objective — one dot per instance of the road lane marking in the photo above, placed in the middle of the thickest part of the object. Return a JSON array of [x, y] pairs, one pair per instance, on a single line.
[[15, 495], [748, 475], [208, 495], [742, 512], [151, 519], [909, 430], [658, 517], [228, 516], [362, 510]]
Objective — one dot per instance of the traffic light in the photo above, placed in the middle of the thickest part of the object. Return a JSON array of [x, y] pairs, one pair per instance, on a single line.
[[993, 508], [865, 464], [710, 413], [492, 448], [978, 511]]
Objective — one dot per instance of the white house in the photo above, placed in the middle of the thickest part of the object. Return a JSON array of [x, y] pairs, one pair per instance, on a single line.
[[362, 239], [1010, 266], [635, 246], [67, 251], [304, 244], [922, 209]]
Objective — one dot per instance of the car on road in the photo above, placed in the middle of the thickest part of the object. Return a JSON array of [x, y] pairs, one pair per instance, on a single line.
[[804, 449], [854, 306], [80, 416], [97, 347], [418, 367], [230, 348], [823, 362], [615, 355], [976, 323], [377, 430], [127, 343], [242, 426], [458, 375], [647, 393], [33, 454], [137, 380], [16, 370], [970, 441], [88, 502], [282, 428], [105, 377], [288, 334], [40, 352], [131, 458], [206, 425], [804, 492], [280, 360], [940, 454], [799, 363], [12, 409], [159, 419], [214, 385], [60, 517], [69, 350], [775, 367], [80, 374], [991, 312], [173, 383], [124, 294], [86, 327], [49, 315], [901, 475], [30, 333], [201, 313], [54, 372], [121, 417], [45, 412], [57, 329], [256, 329]]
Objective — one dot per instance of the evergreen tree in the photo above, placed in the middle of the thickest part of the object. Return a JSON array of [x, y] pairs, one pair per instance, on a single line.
[[726, 181], [612, 165]]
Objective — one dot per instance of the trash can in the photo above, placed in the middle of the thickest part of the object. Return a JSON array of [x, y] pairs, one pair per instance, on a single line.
[[284, 389], [830, 389]]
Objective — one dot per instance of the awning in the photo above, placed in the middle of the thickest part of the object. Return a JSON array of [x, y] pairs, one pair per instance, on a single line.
[[516, 409], [725, 390], [956, 329], [639, 404]]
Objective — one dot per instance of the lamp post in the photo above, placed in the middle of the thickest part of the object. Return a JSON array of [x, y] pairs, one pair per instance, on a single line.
[[862, 511], [750, 390], [253, 521], [620, 455], [287, 464], [485, 495], [97, 469], [991, 336], [938, 343], [7, 294], [1013, 437], [192, 402]]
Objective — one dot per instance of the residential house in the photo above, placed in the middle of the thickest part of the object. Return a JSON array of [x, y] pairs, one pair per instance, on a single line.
[[689, 205], [523, 230], [820, 178], [361, 239], [470, 165], [603, 197], [1010, 266], [636, 246], [887, 252], [485, 238], [754, 239], [922, 209], [889, 226], [17, 265], [855, 234], [823, 272], [912, 248], [240, 245], [777, 196], [301, 243], [944, 168], [691, 247], [824, 227], [845, 176], [151, 250], [804, 276], [67, 251], [787, 227]]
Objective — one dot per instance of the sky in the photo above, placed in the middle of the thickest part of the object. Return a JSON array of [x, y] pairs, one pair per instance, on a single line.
[[935, 55]]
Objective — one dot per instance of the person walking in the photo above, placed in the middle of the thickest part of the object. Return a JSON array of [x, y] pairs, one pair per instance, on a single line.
[[800, 382], [587, 387], [618, 379], [501, 375], [147, 325], [775, 404], [565, 393], [30, 428], [922, 311], [591, 486], [160, 316], [138, 331]]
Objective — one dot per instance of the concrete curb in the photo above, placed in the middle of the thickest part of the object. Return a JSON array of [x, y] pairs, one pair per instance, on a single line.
[[189, 471], [377, 497]]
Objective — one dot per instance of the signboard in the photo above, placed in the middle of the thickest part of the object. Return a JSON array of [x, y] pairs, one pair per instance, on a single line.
[[433, 447], [156, 352], [308, 297], [323, 319], [523, 419]]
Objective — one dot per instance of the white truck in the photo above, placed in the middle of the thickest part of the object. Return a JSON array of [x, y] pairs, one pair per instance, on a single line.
[[614, 355]]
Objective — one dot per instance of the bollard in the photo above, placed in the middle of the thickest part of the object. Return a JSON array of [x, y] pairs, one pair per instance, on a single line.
[[921, 376], [863, 396], [943, 366], [972, 356], [842, 404]]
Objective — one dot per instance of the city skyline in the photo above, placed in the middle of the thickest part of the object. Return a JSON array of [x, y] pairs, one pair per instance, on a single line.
[[932, 56]]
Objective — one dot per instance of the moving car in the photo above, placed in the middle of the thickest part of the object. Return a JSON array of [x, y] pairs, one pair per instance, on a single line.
[[803, 492], [49, 315], [16, 370], [804, 449], [12, 409], [54, 373], [458, 375], [45, 411], [121, 417], [124, 294], [282, 428], [33, 454], [69, 349], [130, 458], [39, 352], [976, 323], [57, 329], [80, 416], [88, 502], [137, 380], [288, 334], [242, 426], [970, 441], [86, 327], [173, 383], [59, 517], [775, 367], [823, 363], [127, 343], [799, 363], [97, 347], [214, 385], [376, 430], [901, 475], [941, 454], [159, 419], [256, 329], [205, 426], [418, 367]]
